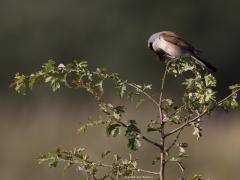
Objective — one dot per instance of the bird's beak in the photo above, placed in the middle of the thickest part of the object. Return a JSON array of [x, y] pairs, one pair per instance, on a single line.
[[150, 46]]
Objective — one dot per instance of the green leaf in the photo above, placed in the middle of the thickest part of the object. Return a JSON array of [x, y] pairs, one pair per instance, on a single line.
[[33, 79], [134, 143], [147, 87], [119, 109], [54, 82], [133, 135], [153, 125], [122, 88], [42, 158], [197, 177], [20, 84], [197, 130], [49, 66], [210, 80], [48, 79], [175, 118], [105, 153], [100, 87], [230, 103], [113, 129], [234, 87], [168, 104], [53, 163], [61, 66]]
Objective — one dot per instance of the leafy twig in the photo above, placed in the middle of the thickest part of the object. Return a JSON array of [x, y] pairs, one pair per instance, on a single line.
[[229, 96], [144, 137], [186, 123], [143, 92]]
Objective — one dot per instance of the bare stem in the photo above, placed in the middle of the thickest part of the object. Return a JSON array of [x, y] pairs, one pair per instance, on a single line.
[[143, 92], [162, 124], [161, 93], [174, 141], [162, 153], [152, 142]]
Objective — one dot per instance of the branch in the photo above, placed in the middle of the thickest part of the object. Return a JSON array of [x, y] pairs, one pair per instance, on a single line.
[[187, 123], [174, 141], [143, 92], [144, 137], [162, 133], [202, 114], [138, 170], [161, 91], [152, 142], [229, 96]]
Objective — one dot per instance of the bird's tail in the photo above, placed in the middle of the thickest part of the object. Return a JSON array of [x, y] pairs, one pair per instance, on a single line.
[[204, 63]]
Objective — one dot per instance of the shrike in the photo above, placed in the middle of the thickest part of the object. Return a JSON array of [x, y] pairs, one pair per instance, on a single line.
[[169, 44]]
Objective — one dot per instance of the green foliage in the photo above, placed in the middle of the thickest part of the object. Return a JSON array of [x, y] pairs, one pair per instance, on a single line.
[[196, 177], [153, 125], [19, 83], [133, 135], [199, 92], [113, 129], [231, 102], [82, 161], [199, 99]]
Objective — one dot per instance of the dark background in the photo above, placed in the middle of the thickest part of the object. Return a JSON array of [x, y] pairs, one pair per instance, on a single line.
[[111, 34]]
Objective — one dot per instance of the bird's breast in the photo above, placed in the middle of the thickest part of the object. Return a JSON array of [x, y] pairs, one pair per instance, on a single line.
[[170, 48]]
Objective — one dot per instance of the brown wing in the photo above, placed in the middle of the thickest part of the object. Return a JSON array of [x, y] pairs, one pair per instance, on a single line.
[[176, 39]]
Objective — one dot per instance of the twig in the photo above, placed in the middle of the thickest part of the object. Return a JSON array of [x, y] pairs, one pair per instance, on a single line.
[[152, 142], [161, 130], [139, 170], [202, 114], [174, 141], [143, 92], [230, 95], [161, 91], [186, 123], [144, 137]]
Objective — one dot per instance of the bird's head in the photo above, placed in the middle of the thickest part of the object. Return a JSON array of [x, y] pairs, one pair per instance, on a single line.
[[152, 39]]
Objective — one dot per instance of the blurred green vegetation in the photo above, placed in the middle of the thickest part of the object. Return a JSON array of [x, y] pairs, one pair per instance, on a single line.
[[110, 34]]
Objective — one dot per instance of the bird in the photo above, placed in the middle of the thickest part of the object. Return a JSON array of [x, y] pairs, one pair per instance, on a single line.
[[171, 45]]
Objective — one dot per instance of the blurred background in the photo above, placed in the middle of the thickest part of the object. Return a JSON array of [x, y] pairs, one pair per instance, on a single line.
[[111, 34]]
